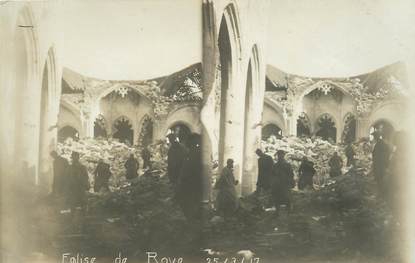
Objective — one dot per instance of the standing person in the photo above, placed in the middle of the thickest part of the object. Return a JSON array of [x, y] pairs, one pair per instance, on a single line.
[[131, 165], [335, 164], [227, 199], [102, 174], [60, 165], [175, 158], [146, 155], [306, 172], [350, 154], [380, 160], [189, 184], [265, 164], [283, 182], [78, 183]]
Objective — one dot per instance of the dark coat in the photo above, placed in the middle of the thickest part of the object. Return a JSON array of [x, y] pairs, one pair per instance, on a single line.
[[60, 166], [306, 172], [131, 165], [335, 164], [265, 164], [380, 158], [175, 158], [189, 190], [282, 182], [78, 184], [227, 199]]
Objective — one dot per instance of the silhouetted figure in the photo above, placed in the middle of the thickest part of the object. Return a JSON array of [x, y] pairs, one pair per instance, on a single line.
[[265, 164], [349, 151], [78, 183], [282, 182], [335, 164], [60, 165], [175, 158], [102, 174], [131, 166], [227, 199], [380, 160], [146, 155], [189, 185], [306, 172]]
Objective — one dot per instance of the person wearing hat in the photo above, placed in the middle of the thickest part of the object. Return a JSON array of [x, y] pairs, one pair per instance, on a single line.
[[282, 182], [227, 199], [265, 164], [78, 183], [380, 159], [306, 172]]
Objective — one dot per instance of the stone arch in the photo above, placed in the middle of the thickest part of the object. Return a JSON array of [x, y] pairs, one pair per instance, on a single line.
[[229, 53], [326, 127], [146, 135], [47, 138], [123, 130], [66, 132], [349, 128], [26, 83], [252, 131]]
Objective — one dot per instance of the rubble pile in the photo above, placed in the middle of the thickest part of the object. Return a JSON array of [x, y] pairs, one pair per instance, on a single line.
[[139, 216]]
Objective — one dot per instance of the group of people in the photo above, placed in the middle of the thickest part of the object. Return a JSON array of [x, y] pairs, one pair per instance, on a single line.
[[70, 181]]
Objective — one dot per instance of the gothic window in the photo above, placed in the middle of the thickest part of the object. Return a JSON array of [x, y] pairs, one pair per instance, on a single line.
[[123, 130], [326, 128]]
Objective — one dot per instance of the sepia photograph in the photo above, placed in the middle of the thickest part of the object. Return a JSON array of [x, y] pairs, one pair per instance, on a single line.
[[207, 131]]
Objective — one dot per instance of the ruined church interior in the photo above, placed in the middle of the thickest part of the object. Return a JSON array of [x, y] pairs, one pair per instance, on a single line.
[[110, 84]]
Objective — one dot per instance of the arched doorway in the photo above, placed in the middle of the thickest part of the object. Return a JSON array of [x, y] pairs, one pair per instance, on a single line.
[[123, 130], [271, 130], [303, 126], [146, 134], [99, 127], [326, 128], [383, 128], [67, 132], [349, 130], [182, 132]]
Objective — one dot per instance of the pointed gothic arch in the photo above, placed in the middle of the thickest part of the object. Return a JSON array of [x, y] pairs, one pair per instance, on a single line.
[[123, 130], [326, 127]]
